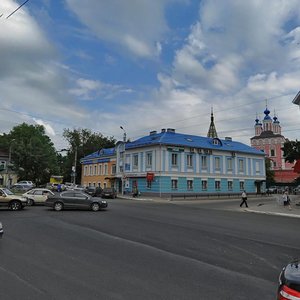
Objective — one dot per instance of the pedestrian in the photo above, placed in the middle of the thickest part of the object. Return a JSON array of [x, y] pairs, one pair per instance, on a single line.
[[286, 200], [244, 199]]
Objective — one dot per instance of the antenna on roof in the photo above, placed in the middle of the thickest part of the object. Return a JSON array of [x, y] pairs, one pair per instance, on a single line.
[[17, 9]]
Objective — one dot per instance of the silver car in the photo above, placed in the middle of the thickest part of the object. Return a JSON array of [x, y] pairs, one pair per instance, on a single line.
[[37, 196]]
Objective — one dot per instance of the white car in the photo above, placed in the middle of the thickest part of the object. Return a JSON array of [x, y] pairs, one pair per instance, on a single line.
[[37, 196]]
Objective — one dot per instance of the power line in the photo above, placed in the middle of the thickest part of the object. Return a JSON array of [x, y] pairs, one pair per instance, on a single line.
[[17, 9]]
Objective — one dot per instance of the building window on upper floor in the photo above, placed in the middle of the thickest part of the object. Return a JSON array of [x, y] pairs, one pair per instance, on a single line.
[[217, 185], [95, 170], [272, 152], [135, 161], [217, 163], [204, 162], [174, 159], [189, 184], [174, 183], [229, 164], [85, 170], [257, 170], [189, 160], [113, 169], [100, 169], [242, 185], [230, 185], [105, 169], [149, 160], [204, 185], [241, 165], [274, 164], [91, 170]]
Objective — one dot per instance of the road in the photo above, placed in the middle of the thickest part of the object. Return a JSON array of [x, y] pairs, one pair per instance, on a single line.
[[144, 250]]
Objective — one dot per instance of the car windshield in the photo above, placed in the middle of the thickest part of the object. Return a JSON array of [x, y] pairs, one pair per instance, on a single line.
[[7, 191]]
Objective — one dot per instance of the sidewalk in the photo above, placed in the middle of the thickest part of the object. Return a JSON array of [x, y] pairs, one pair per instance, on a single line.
[[270, 205]]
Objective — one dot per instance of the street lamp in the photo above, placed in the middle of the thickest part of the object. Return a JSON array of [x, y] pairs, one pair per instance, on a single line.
[[123, 159]]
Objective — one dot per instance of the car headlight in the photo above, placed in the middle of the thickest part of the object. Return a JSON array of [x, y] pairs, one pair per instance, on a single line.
[[103, 201]]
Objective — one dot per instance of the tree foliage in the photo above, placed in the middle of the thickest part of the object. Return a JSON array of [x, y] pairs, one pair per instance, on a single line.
[[32, 153], [81, 143], [291, 151]]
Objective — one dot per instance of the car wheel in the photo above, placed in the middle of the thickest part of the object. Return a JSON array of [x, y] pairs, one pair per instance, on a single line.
[[95, 206], [30, 202], [58, 206], [15, 205]]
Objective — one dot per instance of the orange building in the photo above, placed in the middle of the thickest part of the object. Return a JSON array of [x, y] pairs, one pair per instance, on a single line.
[[99, 169]]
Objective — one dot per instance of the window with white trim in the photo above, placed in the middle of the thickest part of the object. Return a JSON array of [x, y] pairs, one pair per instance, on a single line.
[[217, 185], [174, 184], [241, 165], [204, 185], [95, 170], [204, 162], [189, 184], [230, 185], [105, 169], [217, 163], [174, 159], [91, 170], [189, 160], [229, 164], [242, 185], [149, 160], [135, 161]]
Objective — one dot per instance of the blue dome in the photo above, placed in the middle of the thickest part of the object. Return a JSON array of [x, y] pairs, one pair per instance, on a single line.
[[267, 112]]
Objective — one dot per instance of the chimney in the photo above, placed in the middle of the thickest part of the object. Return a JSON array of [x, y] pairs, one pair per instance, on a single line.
[[171, 130], [163, 130], [153, 132], [228, 138]]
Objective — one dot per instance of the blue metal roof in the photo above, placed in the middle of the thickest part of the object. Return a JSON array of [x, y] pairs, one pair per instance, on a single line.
[[179, 139], [100, 153]]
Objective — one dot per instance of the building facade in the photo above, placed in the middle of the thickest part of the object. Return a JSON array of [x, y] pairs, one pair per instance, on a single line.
[[167, 163], [99, 168], [268, 138]]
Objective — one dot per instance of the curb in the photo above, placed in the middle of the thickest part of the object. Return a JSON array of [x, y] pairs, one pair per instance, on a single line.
[[272, 213]]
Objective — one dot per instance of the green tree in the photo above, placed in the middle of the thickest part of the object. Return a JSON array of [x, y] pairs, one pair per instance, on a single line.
[[269, 173], [291, 151], [32, 153], [81, 143]]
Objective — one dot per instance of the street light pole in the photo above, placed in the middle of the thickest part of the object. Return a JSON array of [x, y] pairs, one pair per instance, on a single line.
[[123, 159]]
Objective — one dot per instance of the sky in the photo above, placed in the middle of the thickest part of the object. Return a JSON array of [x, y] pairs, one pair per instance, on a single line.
[[147, 65]]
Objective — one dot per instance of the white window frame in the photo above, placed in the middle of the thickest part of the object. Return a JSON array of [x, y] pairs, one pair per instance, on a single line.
[[217, 163], [189, 160], [204, 184], [204, 162], [149, 159], [174, 159], [217, 185], [189, 184], [174, 184]]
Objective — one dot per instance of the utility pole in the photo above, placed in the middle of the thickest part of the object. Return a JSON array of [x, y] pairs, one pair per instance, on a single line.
[[123, 159]]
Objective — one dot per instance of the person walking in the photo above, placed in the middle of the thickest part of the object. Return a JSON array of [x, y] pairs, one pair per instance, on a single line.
[[244, 199], [286, 199]]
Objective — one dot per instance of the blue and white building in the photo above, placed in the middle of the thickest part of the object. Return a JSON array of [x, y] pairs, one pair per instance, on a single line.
[[166, 162]]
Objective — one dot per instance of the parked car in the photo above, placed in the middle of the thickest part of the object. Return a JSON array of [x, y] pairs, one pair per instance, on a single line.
[[109, 193], [37, 196], [1, 230], [75, 199], [25, 182], [20, 188], [297, 190], [94, 191], [289, 282], [12, 201], [272, 190]]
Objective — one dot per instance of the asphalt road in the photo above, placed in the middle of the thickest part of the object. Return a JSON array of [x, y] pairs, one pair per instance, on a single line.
[[144, 250]]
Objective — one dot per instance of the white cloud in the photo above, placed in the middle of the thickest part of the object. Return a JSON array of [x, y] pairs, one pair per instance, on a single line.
[[137, 26], [48, 128]]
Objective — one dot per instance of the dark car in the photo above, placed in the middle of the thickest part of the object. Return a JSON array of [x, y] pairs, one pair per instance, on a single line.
[[94, 191], [289, 282], [75, 199], [109, 193]]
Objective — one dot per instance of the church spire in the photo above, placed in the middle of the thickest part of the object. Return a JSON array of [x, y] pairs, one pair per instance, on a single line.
[[212, 132]]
